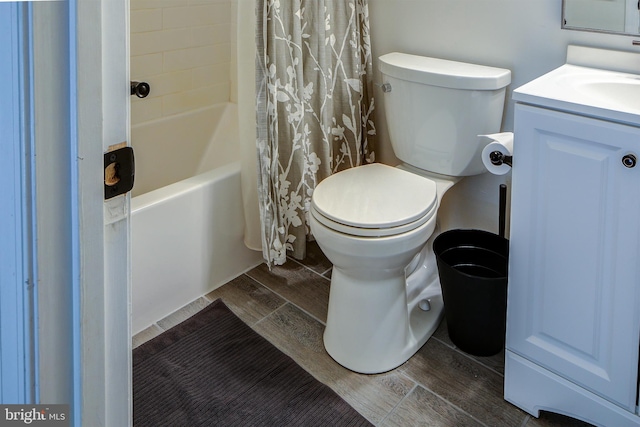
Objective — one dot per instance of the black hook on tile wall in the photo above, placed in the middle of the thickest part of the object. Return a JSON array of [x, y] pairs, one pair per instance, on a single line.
[[140, 89]]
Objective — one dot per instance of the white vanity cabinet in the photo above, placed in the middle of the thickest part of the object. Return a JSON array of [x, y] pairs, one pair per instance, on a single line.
[[573, 311], [574, 280]]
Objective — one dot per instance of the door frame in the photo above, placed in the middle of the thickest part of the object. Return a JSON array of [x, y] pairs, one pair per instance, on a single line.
[[101, 43]]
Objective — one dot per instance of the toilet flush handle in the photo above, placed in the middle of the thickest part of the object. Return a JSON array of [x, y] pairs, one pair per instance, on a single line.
[[386, 87]]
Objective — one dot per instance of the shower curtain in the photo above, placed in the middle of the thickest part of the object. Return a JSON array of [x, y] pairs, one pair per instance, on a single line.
[[314, 109]]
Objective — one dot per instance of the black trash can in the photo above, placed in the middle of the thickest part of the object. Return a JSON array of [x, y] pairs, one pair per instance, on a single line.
[[472, 265]]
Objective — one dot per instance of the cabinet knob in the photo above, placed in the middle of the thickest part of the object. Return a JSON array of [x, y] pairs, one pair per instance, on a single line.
[[629, 160]]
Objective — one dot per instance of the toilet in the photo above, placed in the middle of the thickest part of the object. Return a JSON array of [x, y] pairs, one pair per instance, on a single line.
[[376, 223]]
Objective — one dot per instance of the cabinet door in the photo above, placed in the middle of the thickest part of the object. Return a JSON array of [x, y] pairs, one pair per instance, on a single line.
[[574, 264]]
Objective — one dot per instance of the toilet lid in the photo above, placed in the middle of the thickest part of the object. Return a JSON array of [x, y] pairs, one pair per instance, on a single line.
[[375, 196]]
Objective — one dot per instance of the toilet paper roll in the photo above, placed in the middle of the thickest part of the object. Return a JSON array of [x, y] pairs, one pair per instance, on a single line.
[[502, 142]]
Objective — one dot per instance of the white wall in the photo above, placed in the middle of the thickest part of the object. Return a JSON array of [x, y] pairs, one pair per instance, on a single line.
[[521, 35]]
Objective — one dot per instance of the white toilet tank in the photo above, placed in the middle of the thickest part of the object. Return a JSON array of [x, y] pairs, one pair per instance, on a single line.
[[435, 110]]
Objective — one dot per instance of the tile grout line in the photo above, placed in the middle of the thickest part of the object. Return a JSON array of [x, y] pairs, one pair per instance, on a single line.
[[311, 269], [290, 355], [459, 409], [287, 300], [453, 405], [149, 339], [468, 356], [419, 384], [263, 317], [415, 385], [323, 274]]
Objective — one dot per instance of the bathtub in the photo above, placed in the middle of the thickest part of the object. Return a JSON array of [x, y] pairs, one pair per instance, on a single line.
[[187, 218]]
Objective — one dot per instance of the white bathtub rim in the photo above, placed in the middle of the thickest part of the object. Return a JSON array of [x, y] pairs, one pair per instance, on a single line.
[[154, 197]]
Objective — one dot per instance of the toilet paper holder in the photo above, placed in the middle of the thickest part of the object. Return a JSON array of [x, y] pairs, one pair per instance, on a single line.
[[497, 158]]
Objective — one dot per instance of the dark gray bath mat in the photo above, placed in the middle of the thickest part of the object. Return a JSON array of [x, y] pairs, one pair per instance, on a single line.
[[214, 370]]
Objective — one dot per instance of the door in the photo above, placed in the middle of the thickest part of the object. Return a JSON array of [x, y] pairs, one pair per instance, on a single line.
[[16, 293], [574, 279], [76, 75]]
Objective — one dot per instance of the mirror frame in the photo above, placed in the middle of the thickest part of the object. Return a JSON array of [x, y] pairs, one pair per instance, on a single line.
[[564, 25]]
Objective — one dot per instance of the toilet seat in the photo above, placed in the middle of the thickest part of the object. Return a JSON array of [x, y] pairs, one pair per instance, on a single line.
[[374, 200]]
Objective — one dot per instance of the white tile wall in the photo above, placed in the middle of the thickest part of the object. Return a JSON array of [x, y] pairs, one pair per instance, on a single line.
[[234, 48], [185, 49]]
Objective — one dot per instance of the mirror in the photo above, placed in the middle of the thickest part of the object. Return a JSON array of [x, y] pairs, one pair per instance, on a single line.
[[609, 16]]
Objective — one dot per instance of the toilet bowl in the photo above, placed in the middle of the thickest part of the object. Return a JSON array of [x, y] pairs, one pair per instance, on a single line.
[[385, 299], [376, 223]]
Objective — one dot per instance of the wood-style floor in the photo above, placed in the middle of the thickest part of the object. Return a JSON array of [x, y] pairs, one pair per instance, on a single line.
[[438, 386]]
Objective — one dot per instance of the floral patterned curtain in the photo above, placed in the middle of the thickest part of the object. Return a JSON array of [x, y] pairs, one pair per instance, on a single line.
[[314, 109]]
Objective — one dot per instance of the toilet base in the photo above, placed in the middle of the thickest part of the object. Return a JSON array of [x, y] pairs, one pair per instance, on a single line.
[[375, 324]]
